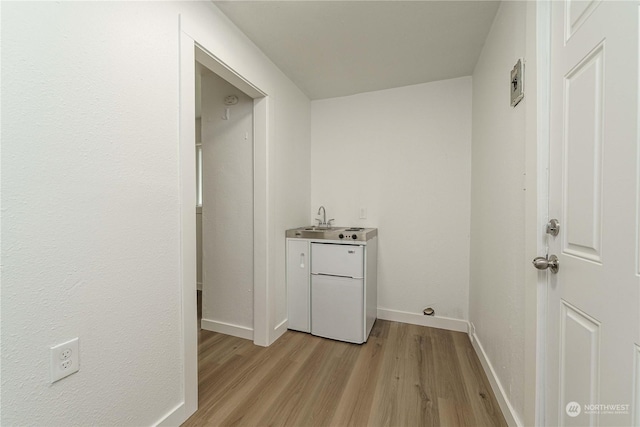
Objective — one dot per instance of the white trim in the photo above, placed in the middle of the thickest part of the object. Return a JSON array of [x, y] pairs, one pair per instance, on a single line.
[[543, 144], [635, 400], [175, 417], [262, 112], [507, 410], [195, 40], [188, 257], [447, 323], [215, 64], [227, 329], [262, 108], [638, 176], [280, 329]]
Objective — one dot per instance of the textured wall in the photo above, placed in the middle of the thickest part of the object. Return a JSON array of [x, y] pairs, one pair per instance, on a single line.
[[90, 201], [497, 291], [405, 155], [90, 212]]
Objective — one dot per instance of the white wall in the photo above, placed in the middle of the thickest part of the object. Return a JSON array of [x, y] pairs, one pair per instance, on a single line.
[[227, 207], [90, 201], [290, 190], [500, 205], [405, 155]]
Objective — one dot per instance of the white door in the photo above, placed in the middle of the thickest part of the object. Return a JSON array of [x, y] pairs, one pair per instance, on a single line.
[[593, 321]]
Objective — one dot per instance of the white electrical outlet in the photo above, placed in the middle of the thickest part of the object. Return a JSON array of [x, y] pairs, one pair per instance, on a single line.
[[65, 359], [363, 213]]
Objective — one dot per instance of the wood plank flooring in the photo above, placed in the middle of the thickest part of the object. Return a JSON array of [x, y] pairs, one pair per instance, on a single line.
[[405, 375]]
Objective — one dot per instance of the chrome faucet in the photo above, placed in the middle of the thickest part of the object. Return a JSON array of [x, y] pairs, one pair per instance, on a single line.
[[323, 223]]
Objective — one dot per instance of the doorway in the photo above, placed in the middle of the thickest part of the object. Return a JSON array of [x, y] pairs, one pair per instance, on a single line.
[[224, 210], [193, 49]]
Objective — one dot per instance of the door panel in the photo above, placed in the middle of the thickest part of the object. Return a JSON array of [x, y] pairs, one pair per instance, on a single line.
[[582, 201], [593, 325], [577, 14], [579, 358]]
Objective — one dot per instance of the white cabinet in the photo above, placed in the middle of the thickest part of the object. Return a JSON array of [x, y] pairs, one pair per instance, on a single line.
[[332, 287], [298, 285]]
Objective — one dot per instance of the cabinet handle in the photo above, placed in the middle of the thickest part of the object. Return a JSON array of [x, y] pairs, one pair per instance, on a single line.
[[302, 260]]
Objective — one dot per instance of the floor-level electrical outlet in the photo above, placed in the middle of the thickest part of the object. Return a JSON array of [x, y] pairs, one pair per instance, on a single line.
[[65, 359]]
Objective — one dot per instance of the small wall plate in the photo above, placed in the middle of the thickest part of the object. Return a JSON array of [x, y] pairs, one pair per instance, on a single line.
[[517, 83], [230, 100]]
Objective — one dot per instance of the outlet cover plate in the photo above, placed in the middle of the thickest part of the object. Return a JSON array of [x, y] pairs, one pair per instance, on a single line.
[[65, 359]]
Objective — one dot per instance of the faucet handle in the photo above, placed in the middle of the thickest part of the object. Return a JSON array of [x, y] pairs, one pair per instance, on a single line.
[[329, 222], [319, 221]]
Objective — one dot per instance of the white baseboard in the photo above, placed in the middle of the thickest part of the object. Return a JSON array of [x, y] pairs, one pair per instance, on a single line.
[[279, 330], [175, 417], [422, 320], [227, 329], [507, 410]]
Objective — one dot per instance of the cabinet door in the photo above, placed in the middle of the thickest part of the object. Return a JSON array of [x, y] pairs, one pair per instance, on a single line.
[[298, 298], [337, 308], [338, 260]]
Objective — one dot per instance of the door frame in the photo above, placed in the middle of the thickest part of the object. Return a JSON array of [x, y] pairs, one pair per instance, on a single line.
[[543, 57], [537, 81], [193, 45]]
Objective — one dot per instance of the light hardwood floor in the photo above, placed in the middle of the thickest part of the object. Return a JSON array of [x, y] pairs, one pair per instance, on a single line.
[[405, 375]]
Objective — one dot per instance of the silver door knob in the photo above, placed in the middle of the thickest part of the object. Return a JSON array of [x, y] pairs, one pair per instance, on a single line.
[[542, 263]]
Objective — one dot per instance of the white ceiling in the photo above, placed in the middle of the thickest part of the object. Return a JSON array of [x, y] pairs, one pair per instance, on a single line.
[[338, 48]]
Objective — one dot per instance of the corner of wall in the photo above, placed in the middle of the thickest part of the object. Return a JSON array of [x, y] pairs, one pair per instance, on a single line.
[[500, 149], [510, 414]]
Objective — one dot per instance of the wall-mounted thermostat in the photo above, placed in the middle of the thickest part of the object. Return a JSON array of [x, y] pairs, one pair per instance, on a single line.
[[517, 83]]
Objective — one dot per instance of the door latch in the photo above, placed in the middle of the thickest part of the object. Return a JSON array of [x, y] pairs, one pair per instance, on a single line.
[[553, 227]]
